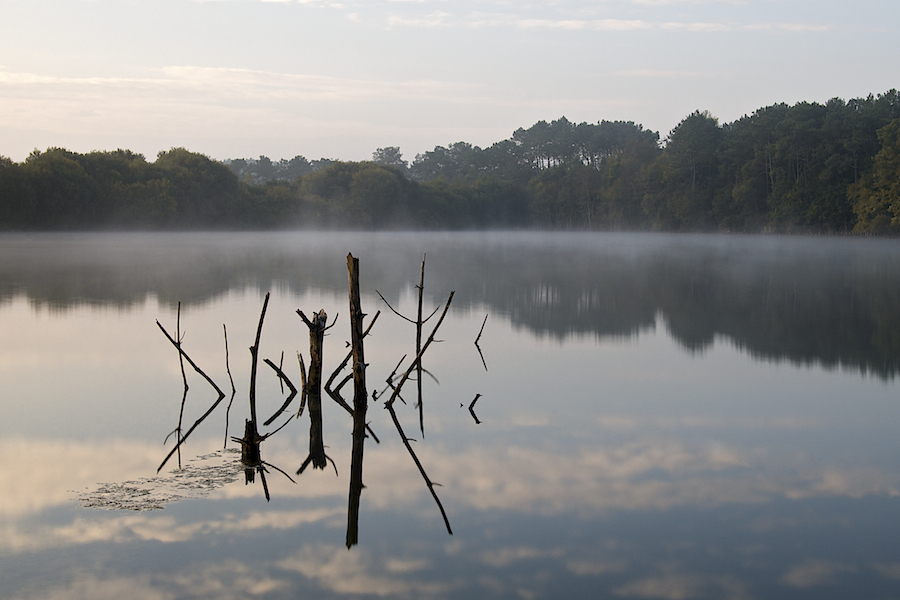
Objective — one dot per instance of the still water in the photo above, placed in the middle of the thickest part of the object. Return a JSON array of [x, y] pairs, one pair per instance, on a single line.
[[660, 417]]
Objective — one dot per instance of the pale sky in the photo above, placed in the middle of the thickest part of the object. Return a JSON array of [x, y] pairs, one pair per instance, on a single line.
[[240, 78]]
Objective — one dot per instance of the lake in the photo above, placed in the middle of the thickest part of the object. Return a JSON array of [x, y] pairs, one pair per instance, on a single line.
[[657, 416]]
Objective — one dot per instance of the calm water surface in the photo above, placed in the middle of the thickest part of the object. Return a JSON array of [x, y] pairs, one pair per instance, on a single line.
[[661, 417]]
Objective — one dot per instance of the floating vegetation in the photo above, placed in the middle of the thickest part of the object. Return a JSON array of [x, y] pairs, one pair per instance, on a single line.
[[197, 478]]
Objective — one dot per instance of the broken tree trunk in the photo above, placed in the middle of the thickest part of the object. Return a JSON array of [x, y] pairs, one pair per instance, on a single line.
[[360, 401], [254, 355], [317, 328], [250, 454]]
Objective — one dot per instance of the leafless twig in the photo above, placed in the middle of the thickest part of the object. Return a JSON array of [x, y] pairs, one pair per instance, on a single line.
[[389, 405], [221, 394]]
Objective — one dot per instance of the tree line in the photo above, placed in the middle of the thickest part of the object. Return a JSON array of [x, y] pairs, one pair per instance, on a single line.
[[810, 168]]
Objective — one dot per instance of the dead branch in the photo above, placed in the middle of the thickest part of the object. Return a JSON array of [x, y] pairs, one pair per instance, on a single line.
[[231, 379], [254, 353], [479, 347], [262, 475], [317, 327], [302, 384], [393, 310], [360, 401], [183, 438], [389, 405], [418, 323], [284, 379], [472, 409], [184, 379], [420, 404], [480, 331], [418, 358], [390, 382], [335, 393], [415, 458]]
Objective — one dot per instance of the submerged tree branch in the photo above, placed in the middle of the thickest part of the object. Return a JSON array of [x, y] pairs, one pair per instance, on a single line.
[[208, 380], [389, 405], [284, 379], [231, 379], [472, 409]]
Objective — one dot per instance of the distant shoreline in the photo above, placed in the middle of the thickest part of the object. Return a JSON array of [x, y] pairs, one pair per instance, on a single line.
[[803, 169]]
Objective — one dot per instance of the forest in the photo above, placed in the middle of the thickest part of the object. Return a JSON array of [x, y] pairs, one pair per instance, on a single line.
[[829, 168]]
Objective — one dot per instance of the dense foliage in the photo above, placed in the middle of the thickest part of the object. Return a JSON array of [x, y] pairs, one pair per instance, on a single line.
[[810, 167]]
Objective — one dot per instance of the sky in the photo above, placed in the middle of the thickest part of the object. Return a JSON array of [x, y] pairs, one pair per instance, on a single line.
[[338, 79]]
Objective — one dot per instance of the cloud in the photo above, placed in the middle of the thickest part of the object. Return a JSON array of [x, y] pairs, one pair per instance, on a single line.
[[831, 481], [108, 588], [432, 20], [663, 74], [790, 27], [641, 25], [359, 572], [177, 95], [38, 474], [161, 528], [814, 573], [593, 25], [230, 579], [226, 580], [589, 479], [888, 570], [503, 557], [676, 586]]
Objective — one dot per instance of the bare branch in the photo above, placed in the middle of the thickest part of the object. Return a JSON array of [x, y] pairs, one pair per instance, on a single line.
[[415, 458], [284, 379], [389, 405], [480, 331], [183, 438], [231, 379], [479, 347], [393, 309], [421, 352], [184, 379], [472, 409], [302, 384], [254, 353]]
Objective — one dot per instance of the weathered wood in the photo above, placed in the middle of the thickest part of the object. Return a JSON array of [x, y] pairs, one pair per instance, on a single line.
[[472, 409], [419, 349], [231, 379], [250, 454], [389, 406], [317, 326], [335, 393], [184, 379], [254, 353], [183, 438], [284, 379], [476, 342], [360, 401]]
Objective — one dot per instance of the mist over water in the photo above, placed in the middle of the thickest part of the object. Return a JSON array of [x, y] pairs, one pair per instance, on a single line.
[[809, 300], [661, 416]]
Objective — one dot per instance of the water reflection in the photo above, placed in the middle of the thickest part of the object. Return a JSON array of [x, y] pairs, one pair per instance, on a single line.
[[623, 450], [810, 301]]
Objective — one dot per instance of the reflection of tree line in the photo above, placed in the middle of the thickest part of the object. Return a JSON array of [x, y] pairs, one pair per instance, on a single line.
[[831, 309], [808, 302]]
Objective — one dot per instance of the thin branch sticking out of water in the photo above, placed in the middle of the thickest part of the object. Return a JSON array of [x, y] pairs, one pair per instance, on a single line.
[[389, 405], [207, 413]]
